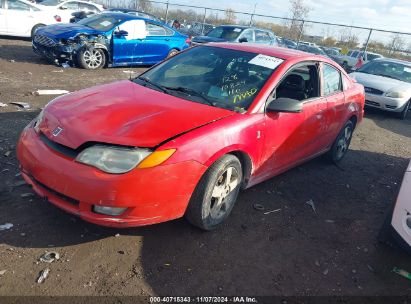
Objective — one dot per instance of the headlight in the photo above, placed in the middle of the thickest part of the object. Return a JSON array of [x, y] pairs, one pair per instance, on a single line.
[[112, 159], [394, 94], [38, 120]]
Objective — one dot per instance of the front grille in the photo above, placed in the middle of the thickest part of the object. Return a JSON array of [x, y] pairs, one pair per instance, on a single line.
[[44, 40], [61, 196], [372, 103], [372, 91], [72, 153]]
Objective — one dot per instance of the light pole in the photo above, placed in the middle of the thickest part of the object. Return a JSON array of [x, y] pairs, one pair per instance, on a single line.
[[252, 15]]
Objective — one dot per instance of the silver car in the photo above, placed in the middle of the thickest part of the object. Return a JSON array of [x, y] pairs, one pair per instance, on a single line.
[[387, 84]]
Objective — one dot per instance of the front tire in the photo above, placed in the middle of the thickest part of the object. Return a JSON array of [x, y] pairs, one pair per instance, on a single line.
[[91, 59], [216, 193], [35, 28], [340, 146]]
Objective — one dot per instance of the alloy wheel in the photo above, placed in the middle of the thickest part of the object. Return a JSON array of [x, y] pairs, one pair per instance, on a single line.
[[221, 196], [93, 58], [344, 142]]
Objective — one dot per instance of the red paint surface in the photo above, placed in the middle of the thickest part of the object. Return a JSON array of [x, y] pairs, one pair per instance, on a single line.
[[125, 113]]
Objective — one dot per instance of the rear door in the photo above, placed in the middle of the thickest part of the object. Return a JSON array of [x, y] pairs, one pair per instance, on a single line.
[[332, 91], [158, 43]]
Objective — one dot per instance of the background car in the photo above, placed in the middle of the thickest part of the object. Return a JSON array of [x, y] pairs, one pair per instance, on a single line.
[[397, 226], [351, 59], [194, 29], [387, 84], [237, 33], [185, 136], [66, 8], [134, 13], [289, 43], [109, 39], [311, 49], [22, 18]]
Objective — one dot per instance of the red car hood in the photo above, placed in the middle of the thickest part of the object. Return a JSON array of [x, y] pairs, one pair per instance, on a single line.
[[123, 113]]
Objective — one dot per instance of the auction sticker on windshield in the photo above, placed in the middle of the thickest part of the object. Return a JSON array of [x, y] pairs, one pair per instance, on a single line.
[[266, 61]]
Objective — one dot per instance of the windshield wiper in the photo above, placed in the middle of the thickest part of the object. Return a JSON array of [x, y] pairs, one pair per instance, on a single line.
[[190, 92], [149, 82]]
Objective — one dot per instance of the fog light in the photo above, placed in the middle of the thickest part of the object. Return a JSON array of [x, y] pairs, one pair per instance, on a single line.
[[109, 210]]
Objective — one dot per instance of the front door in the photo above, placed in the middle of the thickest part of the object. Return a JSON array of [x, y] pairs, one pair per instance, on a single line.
[[128, 43], [19, 18], [291, 138]]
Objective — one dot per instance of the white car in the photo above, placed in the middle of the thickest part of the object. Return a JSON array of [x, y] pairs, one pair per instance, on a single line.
[[349, 61], [22, 18], [66, 8], [398, 223], [387, 85]]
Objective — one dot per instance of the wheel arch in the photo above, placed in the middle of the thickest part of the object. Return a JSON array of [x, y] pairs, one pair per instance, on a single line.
[[34, 26], [244, 158]]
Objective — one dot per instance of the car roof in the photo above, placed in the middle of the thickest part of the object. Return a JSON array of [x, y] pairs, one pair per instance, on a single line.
[[268, 50], [407, 63]]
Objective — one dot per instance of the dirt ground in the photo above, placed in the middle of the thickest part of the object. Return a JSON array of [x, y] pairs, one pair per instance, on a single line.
[[291, 252]]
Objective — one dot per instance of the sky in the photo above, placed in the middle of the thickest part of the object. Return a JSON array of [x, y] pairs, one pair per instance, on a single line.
[[391, 15]]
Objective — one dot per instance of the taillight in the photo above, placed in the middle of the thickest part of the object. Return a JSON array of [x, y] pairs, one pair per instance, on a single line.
[[188, 40], [57, 18]]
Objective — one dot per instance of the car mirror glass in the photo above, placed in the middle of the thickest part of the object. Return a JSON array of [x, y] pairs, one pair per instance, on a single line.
[[286, 105]]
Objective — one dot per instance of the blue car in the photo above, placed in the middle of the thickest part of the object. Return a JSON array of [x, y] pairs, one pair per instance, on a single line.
[[109, 39]]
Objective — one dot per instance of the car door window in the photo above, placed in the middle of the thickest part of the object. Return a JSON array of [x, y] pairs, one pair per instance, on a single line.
[[262, 36], [249, 35], [17, 5], [88, 8], [136, 29], [71, 6], [1, 4], [331, 80], [156, 30], [300, 83]]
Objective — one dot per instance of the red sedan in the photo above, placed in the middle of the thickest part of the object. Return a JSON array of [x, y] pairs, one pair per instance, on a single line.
[[183, 138]]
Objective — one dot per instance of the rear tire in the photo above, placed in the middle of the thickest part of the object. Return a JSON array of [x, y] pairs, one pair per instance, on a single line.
[[216, 193], [91, 59], [35, 28], [172, 53], [341, 144], [404, 113]]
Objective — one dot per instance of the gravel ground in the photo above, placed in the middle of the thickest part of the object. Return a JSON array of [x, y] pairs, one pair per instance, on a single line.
[[291, 252]]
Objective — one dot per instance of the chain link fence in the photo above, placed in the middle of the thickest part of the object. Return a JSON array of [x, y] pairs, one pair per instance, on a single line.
[[196, 20]]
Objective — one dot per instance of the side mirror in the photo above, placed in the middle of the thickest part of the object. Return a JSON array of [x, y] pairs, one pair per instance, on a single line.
[[286, 105], [121, 33], [243, 40]]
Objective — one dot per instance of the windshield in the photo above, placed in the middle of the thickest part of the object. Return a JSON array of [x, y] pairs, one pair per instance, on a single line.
[[219, 77], [229, 33], [388, 69], [50, 2], [331, 52], [101, 22]]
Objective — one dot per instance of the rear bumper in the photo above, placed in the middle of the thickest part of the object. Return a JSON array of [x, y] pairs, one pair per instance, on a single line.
[[151, 195]]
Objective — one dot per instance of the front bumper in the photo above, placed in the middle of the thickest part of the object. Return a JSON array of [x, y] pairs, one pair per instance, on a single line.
[[57, 53], [402, 212], [151, 195], [385, 103]]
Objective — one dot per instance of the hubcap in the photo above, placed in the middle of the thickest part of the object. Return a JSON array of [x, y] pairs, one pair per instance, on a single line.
[[343, 142], [93, 58], [224, 187]]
